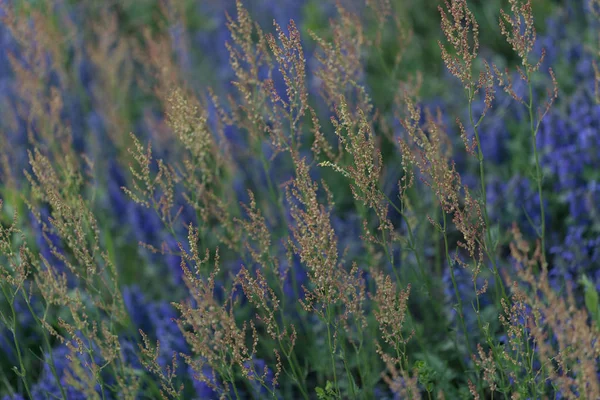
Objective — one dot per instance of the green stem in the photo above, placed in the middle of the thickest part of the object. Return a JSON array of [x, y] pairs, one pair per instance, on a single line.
[[413, 248], [331, 352], [488, 243], [538, 172], [292, 360], [48, 345], [21, 372], [348, 374], [456, 291]]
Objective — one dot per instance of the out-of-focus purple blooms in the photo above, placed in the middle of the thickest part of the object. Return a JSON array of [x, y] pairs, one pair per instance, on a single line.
[[173, 261], [146, 225], [179, 41], [495, 136], [135, 303], [14, 397], [257, 369], [203, 390], [26, 328], [96, 125], [570, 146], [578, 255], [515, 200], [8, 46], [47, 386], [119, 204], [73, 116], [86, 73], [211, 40], [129, 352], [464, 282], [295, 278], [584, 203], [348, 230], [156, 319], [6, 346], [167, 333], [48, 242]]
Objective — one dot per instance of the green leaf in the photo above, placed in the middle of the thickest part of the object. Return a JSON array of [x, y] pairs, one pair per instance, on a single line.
[[591, 298], [326, 394]]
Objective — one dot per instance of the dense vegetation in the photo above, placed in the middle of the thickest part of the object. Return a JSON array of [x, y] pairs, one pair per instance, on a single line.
[[299, 199]]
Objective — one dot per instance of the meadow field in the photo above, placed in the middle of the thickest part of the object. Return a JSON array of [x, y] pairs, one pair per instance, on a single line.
[[299, 199]]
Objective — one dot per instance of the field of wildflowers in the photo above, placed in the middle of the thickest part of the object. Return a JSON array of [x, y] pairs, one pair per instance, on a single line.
[[299, 199]]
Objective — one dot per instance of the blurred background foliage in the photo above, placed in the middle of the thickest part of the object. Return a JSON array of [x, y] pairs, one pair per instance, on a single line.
[[107, 87]]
